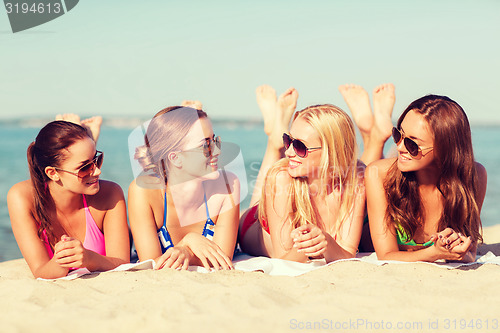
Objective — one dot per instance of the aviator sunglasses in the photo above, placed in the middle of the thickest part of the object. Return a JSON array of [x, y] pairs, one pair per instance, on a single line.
[[410, 145], [88, 168], [298, 146], [209, 145]]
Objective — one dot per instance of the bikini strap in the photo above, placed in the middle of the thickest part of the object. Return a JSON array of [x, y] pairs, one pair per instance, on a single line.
[[163, 234], [209, 228], [206, 204], [84, 202], [165, 211]]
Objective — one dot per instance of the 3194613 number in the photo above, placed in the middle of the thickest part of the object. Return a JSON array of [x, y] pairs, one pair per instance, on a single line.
[[474, 324], [36, 8]]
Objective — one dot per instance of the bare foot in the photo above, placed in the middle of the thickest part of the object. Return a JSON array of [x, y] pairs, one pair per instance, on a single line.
[[359, 103], [266, 99], [93, 125], [192, 104], [383, 103], [287, 102], [71, 117]]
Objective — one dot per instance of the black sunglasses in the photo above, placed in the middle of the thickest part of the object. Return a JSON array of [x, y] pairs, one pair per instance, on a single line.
[[88, 168], [410, 145], [208, 146], [298, 146]]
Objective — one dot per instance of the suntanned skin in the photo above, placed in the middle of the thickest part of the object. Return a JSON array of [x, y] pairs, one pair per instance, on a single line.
[[460, 247], [107, 206]]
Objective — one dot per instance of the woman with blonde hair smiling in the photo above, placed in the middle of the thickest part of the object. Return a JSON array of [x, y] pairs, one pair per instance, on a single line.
[[311, 203], [183, 210]]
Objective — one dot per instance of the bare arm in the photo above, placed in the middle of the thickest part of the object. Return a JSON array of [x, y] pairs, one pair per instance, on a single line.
[[24, 227], [142, 223], [384, 234], [226, 229], [278, 210], [314, 242]]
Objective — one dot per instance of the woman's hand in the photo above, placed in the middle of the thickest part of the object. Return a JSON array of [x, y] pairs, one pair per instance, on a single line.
[[310, 240], [207, 251], [176, 257], [70, 253], [452, 245]]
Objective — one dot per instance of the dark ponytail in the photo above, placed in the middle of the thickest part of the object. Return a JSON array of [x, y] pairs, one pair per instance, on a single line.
[[48, 150]]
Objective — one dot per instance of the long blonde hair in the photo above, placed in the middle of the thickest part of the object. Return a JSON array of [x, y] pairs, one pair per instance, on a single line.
[[338, 167]]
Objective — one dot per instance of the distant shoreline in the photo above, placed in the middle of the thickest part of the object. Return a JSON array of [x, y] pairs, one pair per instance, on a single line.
[[123, 121], [134, 121]]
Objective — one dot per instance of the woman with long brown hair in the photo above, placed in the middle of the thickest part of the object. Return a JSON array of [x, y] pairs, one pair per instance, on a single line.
[[65, 217], [425, 204]]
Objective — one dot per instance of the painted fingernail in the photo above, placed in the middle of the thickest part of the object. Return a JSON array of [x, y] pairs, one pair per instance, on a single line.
[[440, 236]]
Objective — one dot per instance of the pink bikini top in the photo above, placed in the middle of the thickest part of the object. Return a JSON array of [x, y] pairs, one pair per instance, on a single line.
[[94, 238]]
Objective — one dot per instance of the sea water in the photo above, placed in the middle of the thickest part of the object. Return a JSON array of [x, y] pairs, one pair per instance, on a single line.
[[248, 136]]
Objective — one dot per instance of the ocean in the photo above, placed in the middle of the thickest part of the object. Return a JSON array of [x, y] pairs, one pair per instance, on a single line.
[[249, 136]]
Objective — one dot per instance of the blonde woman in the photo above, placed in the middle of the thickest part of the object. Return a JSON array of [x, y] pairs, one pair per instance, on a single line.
[[183, 210], [310, 204]]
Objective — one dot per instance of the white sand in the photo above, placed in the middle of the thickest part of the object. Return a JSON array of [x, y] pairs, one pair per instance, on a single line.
[[344, 293]]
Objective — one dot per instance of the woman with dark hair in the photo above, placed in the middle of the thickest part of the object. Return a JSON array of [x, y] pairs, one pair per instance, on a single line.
[[425, 204], [65, 217], [182, 209]]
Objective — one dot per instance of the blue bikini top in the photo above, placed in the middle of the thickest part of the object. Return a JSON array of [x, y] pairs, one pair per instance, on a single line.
[[164, 236]]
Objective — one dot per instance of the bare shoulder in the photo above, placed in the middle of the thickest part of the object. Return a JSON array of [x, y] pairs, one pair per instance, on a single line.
[[225, 178], [483, 180], [282, 178], [481, 172], [21, 204], [21, 192], [144, 184], [140, 190], [109, 188], [108, 196], [379, 168]]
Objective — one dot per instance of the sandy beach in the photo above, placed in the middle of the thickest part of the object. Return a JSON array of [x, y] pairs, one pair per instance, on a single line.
[[345, 296]]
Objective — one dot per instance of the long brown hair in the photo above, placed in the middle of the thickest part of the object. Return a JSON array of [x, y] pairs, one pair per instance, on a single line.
[[48, 149], [338, 168], [457, 179], [166, 132]]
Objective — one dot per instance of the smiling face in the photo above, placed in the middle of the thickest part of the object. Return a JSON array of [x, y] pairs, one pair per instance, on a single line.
[[414, 126], [77, 155], [194, 161], [309, 165]]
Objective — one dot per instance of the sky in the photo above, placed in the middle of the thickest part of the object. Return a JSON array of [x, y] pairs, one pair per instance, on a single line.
[[133, 58]]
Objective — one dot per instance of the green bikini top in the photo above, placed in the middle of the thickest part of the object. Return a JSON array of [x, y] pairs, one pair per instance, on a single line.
[[404, 238]]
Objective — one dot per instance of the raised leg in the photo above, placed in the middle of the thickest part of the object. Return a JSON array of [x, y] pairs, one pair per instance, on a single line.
[[92, 125], [192, 104], [277, 116], [383, 104], [359, 103]]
